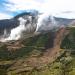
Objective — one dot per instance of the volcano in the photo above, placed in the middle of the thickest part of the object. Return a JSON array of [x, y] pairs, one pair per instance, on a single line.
[[28, 24], [30, 42]]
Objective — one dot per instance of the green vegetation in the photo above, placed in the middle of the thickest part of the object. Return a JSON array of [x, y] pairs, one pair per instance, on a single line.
[[69, 40], [38, 41], [30, 44], [63, 65]]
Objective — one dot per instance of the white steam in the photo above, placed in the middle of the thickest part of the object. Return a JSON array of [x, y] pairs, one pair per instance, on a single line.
[[40, 20], [45, 22], [16, 32]]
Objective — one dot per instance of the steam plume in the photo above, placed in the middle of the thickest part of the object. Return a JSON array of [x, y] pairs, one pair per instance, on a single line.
[[31, 24]]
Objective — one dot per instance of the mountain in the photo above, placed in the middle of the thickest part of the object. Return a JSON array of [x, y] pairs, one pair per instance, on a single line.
[[12, 29], [46, 45], [30, 23]]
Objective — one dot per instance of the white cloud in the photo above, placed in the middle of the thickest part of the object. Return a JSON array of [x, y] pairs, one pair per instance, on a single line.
[[70, 15], [4, 16], [48, 6], [23, 4]]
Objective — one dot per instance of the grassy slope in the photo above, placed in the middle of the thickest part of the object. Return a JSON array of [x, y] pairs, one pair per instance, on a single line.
[[69, 40], [68, 44], [64, 65], [30, 44], [33, 46]]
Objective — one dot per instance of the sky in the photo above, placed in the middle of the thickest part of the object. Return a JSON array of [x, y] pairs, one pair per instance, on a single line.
[[59, 8]]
